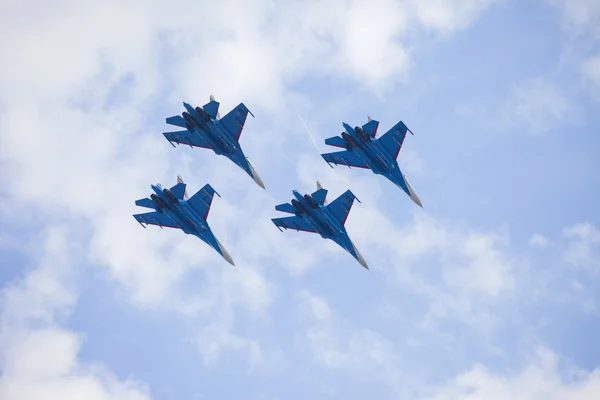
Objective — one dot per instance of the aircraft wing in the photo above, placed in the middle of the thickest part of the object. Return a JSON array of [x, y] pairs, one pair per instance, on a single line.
[[340, 207], [293, 222], [202, 200], [156, 218], [345, 157], [187, 137], [235, 119], [392, 140]]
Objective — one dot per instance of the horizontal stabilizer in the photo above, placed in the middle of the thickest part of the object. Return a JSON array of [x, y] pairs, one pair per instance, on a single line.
[[370, 127], [285, 207], [177, 121], [211, 108], [340, 207], [202, 200], [336, 141], [146, 202]]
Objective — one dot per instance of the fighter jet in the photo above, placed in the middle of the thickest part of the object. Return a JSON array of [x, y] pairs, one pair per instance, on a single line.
[[313, 215], [174, 210], [363, 150], [205, 128]]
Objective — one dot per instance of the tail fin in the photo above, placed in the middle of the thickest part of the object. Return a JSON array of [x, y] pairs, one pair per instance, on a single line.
[[320, 196], [370, 127], [212, 108], [179, 189], [180, 180], [212, 98], [340, 207]]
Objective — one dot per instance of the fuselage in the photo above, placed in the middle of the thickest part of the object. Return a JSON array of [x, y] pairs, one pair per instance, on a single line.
[[366, 147], [210, 129], [318, 216], [182, 213]]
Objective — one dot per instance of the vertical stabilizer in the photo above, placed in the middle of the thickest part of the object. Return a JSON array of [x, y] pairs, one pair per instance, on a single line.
[[212, 98], [180, 180]]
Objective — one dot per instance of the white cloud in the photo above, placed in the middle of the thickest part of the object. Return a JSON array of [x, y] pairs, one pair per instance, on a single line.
[[580, 15], [62, 130], [214, 339], [80, 130], [540, 104], [591, 72], [538, 240], [335, 345], [38, 358], [582, 19], [446, 16], [583, 249], [540, 380]]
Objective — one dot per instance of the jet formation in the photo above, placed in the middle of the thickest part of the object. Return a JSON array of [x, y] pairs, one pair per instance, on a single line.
[[205, 128]]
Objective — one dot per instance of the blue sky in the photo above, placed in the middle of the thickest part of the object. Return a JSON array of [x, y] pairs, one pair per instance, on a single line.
[[488, 292]]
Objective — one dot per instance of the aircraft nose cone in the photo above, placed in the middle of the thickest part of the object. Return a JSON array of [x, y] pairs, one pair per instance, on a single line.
[[411, 193], [255, 175], [359, 257], [228, 258], [224, 253]]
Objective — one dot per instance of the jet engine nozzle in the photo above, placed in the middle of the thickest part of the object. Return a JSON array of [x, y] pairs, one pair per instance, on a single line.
[[311, 202], [170, 196]]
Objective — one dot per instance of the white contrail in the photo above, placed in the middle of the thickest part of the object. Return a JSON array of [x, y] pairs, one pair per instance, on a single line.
[[308, 131]]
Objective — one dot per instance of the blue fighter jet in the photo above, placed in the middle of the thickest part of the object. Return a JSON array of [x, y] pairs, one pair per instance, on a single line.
[[174, 210], [205, 128], [314, 215], [363, 150]]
